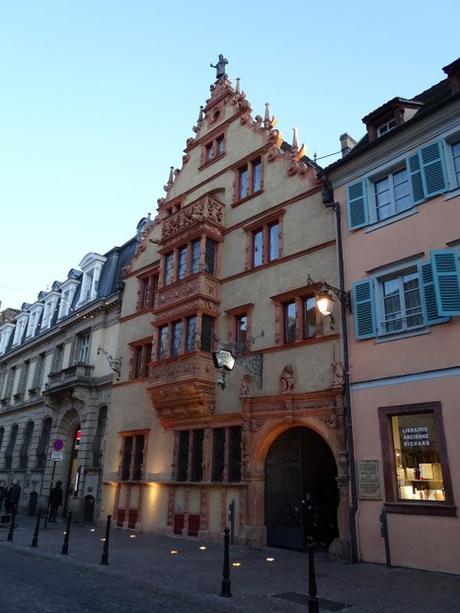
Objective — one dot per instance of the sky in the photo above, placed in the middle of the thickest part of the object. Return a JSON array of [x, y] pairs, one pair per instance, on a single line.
[[97, 99]]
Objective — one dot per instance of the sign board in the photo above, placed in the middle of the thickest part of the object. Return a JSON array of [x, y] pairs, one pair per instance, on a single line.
[[415, 436], [57, 456], [369, 480], [58, 445]]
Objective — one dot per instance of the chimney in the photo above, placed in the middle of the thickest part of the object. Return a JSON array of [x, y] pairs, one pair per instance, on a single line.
[[453, 73], [346, 144]]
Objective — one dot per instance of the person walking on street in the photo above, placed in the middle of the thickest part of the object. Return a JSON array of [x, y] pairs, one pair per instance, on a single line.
[[55, 500], [13, 496]]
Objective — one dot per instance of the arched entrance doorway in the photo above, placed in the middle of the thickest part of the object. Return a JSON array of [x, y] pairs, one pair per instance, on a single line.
[[300, 462], [73, 471]]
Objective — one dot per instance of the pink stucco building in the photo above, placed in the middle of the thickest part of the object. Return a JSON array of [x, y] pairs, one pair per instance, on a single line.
[[398, 189]]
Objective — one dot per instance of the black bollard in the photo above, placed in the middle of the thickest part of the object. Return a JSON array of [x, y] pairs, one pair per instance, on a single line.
[[65, 545], [105, 548], [37, 529], [10, 536], [226, 584], [313, 605]]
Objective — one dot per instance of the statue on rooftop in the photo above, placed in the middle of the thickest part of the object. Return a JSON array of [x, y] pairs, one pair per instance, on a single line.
[[220, 67]]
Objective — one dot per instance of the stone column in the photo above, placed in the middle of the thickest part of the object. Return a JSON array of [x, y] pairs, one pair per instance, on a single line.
[[253, 529]]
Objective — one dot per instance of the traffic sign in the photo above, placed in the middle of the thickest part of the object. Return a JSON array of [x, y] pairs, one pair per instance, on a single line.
[[58, 445], [57, 456]]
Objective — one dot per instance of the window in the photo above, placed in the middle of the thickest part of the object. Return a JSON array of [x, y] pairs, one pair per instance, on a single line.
[[24, 451], [207, 333], [266, 244], [249, 179], [241, 331], [392, 194], [290, 318], [142, 355], [176, 338], [214, 149], [10, 382], [226, 442], [182, 460], [23, 378], [190, 455], [169, 269], [38, 373], [378, 197], [147, 291], [309, 317], [424, 294], [190, 333], [43, 442], [10, 448], [163, 333], [210, 256], [456, 161], [58, 356], [414, 455], [132, 462], [182, 266], [197, 455], [196, 255], [82, 348], [386, 127]]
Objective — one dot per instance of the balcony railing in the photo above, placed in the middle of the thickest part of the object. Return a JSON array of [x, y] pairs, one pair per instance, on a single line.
[[68, 377], [204, 209]]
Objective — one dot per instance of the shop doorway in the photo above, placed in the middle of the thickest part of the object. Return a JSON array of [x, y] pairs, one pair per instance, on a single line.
[[298, 463], [73, 473]]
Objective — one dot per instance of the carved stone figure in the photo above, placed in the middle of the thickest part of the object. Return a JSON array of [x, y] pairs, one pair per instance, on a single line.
[[339, 375], [287, 380], [245, 386], [220, 67]]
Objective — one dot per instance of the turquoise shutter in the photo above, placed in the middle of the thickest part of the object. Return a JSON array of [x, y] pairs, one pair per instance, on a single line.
[[364, 308], [430, 309], [433, 171], [357, 205], [416, 181], [446, 276]]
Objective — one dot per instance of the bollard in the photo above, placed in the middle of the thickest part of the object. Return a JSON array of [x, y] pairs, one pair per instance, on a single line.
[[226, 585], [65, 545], [10, 536], [105, 548], [384, 534], [37, 529], [313, 605]]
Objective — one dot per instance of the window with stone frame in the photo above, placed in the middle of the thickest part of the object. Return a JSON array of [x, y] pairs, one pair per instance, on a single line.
[[38, 372], [147, 290], [9, 383], [297, 318], [213, 150], [207, 333], [190, 455], [24, 451], [82, 347], [141, 355], [24, 375], [210, 257], [10, 447], [249, 179], [58, 357], [190, 333], [239, 328], [43, 443], [132, 456], [226, 454], [415, 465]]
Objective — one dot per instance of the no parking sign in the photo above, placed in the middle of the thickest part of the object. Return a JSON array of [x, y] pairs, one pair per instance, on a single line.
[[57, 452]]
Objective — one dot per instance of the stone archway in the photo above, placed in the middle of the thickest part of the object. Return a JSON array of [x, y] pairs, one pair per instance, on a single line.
[[300, 463]]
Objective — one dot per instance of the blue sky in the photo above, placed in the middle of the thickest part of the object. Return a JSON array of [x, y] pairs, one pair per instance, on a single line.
[[98, 98]]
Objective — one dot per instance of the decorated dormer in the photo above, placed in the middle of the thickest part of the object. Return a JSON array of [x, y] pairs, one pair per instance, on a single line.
[[390, 115], [6, 332], [21, 324], [35, 315], [91, 266], [68, 290], [51, 302]]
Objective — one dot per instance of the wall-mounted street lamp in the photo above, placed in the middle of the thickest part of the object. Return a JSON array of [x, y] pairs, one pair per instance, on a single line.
[[224, 361], [114, 363], [324, 296]]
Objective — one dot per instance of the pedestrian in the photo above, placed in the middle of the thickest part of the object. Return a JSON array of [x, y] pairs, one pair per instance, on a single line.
[[13, 496], [55, 500]]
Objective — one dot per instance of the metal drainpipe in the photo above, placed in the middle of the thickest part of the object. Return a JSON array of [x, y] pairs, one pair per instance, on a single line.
[[346, 392]]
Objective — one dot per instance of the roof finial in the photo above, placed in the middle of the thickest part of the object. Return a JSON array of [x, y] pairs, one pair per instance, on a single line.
[[295, 144], [201, 114], [171, 175], [238, 85]]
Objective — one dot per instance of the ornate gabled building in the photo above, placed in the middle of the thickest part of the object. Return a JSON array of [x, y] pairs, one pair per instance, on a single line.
[[224, 265], [56, 372]]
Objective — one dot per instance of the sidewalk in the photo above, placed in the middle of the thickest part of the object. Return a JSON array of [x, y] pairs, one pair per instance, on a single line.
[[258, 585]]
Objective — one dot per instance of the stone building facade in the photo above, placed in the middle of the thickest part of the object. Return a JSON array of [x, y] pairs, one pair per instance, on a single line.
[[399, 191], [224, 266], [55, 384]]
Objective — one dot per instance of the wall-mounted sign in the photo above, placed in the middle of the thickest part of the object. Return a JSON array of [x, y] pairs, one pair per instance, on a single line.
[[369, 480], [415, 436], [57, 456]]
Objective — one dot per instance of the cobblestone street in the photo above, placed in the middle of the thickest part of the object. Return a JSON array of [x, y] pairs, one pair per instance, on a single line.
[[144, 575]]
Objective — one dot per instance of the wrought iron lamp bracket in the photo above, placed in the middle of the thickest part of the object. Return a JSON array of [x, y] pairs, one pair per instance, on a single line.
[[114, 363]]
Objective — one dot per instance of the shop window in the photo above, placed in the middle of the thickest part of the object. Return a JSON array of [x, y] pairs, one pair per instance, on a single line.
[[132, 457], [415, 458]]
